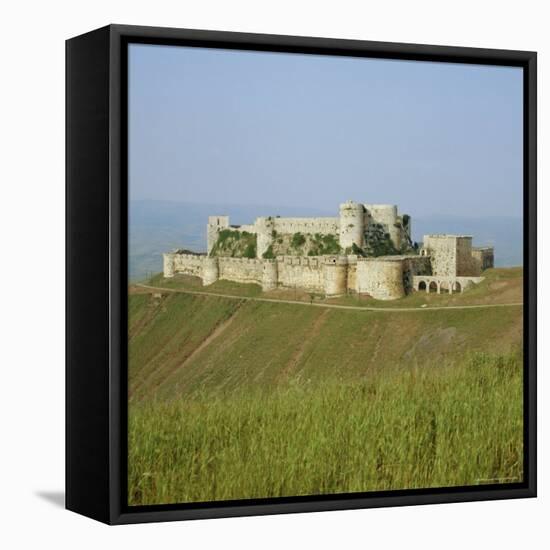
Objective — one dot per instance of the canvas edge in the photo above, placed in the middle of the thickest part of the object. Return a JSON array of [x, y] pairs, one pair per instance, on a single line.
[[115, 510]]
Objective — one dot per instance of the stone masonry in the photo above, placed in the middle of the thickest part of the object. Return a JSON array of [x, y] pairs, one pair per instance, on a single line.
[[442, 262]]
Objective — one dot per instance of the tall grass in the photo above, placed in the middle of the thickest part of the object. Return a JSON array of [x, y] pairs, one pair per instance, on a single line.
[[409, 428]]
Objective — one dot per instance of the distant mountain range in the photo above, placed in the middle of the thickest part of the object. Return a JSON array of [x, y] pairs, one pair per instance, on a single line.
[[159, 226]]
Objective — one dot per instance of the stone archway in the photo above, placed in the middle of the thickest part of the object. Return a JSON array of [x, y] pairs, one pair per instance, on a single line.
[[458, 287], [432, 287], [422, 286]]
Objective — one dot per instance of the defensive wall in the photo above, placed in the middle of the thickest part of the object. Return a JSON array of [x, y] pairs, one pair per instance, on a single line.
[[383, 278]]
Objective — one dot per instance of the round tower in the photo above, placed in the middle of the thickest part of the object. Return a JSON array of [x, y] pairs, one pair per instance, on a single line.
[[382, 278], [386, 215], [270, 275], [352, 225], [335, 271], [168, 265], [264, 234], [210, 270]]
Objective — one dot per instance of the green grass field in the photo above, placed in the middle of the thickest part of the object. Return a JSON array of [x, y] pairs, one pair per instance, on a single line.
[[232, 399], [455, 426]]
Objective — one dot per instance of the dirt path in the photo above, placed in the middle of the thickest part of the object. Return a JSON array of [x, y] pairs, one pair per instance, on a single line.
[[332, 306]]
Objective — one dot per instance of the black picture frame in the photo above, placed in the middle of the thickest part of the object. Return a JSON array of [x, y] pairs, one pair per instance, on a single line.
[[96, 271]]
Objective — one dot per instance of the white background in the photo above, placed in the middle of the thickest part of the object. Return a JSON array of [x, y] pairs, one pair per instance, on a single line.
[[32, 274]]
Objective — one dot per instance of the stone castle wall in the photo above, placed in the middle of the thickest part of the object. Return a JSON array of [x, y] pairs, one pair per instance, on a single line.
[[190, 264], [241, 270], [384, 278], [301, 272], [352, 273], [324, 226]]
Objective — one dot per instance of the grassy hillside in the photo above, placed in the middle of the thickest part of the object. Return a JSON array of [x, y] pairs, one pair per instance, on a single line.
[[406, 429], [181, 344], [232, 398]]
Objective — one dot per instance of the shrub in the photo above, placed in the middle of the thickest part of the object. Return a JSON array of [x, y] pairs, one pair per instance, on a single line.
[[235, 244], [298, 240], [268, 254], [330, 245], [250, 251]]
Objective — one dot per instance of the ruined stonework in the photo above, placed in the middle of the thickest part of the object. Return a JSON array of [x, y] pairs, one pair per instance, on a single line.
[[483, 258], [368, 238]]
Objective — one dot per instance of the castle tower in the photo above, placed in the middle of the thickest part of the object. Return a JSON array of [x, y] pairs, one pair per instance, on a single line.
[[381, 278], [451, 255], [270, 275], [214, 226], [352, 225], [264, 234], [386, 215], [210, 270], [336, 275], [168, 265]]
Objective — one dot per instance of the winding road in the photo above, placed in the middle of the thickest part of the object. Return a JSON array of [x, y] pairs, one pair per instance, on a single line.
[[325, 305]]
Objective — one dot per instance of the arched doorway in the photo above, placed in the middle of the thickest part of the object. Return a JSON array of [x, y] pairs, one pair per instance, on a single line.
[[432, 287], [422, 285], [458, 287]]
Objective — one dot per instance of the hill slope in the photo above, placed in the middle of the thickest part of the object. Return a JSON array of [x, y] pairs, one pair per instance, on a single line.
[[235, 399], [176, 346]]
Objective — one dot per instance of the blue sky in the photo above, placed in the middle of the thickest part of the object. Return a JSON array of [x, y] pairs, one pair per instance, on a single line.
[[237, 127]]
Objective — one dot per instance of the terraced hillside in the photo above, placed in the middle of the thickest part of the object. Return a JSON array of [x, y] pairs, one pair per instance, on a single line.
[[233, 398]]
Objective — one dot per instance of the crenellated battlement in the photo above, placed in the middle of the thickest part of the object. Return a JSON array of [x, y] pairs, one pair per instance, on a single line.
[[241, 261]]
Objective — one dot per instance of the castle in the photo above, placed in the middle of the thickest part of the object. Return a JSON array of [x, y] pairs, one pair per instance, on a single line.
[[367, 249]]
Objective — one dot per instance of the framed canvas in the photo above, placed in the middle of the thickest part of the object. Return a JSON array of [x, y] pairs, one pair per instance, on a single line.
[[301, 274]]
